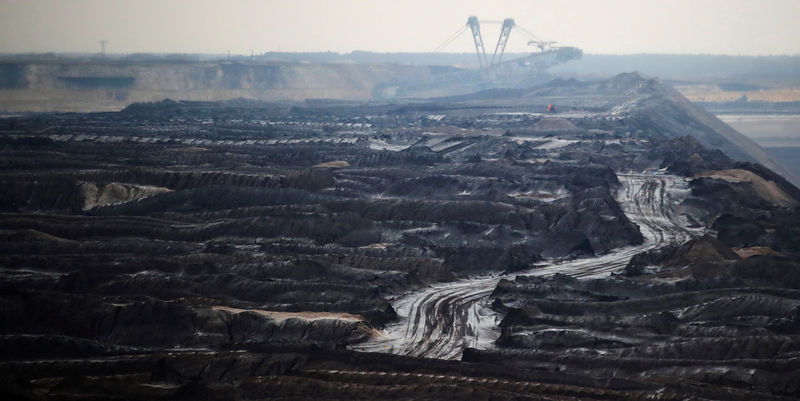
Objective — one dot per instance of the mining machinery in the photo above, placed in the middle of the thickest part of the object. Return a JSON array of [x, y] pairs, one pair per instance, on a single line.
[[492, 73], [474, 25]]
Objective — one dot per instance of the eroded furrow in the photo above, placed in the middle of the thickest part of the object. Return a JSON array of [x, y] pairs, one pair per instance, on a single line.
[[440, 321]]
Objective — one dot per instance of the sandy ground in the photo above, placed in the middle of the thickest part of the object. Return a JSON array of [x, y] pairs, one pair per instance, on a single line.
[[712, 93], [281, 316], [767, 190]]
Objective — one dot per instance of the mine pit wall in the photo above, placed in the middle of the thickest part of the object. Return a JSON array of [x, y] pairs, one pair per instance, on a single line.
[[111, 85]]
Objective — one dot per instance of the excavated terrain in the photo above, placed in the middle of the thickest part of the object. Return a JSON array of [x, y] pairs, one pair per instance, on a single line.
[[251, 250], [110, 84]]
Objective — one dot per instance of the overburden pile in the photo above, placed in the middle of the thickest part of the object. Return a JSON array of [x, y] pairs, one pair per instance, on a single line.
[[234, 250]]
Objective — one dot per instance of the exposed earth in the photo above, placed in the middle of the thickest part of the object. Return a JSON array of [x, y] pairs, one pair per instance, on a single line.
[[446, 318], [626, 246]]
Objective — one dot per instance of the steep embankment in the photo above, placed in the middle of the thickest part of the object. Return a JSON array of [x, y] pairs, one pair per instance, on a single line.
[[666, 109], [635, 105], [103, 85], [182, 250]]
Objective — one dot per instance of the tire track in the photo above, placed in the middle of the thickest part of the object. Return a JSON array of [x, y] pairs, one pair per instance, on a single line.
[[440, 321]]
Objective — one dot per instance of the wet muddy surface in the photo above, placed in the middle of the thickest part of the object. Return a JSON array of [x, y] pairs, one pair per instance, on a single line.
[[468, 247], [441, 321]]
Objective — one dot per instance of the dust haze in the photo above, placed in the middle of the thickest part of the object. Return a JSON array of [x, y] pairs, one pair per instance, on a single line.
[[399, 200], [245, 26]]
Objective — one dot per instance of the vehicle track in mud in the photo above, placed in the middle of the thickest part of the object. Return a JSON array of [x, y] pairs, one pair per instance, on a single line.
[[440, 321]]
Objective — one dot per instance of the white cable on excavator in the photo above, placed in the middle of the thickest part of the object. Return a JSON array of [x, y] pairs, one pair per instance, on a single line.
[[450, 39], [473, 23]]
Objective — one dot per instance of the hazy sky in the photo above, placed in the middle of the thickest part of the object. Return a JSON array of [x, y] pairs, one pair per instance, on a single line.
[[241, 26]]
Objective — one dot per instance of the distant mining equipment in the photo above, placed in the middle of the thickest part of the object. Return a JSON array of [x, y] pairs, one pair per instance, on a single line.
[[492, 73]]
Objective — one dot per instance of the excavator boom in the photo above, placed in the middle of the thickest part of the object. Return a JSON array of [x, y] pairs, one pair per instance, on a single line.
[[508, 23], [475, 26]]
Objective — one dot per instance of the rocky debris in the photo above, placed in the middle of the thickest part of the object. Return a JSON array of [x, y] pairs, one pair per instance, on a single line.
[[554, 124], [686, 156], [778, 231], [333, 164], [676, 312], [756, 250], [745, 214], [636, 105], [163, 271], [766, 190], [297, 372], [666, 111], [113, 193], [704, 249], [126, 242]]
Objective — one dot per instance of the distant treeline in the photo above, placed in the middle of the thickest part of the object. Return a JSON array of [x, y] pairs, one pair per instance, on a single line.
[[462, 59], [742, 106], [666, 66], [679, 66]]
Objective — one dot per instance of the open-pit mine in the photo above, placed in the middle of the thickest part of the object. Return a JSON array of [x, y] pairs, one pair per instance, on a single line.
[[571, 240]]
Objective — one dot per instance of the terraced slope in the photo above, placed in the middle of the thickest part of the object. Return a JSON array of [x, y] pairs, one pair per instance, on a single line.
[[252, 250], [446, 318]]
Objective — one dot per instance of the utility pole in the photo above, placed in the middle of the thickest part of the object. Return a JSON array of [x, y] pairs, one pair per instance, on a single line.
[[103, 47]]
